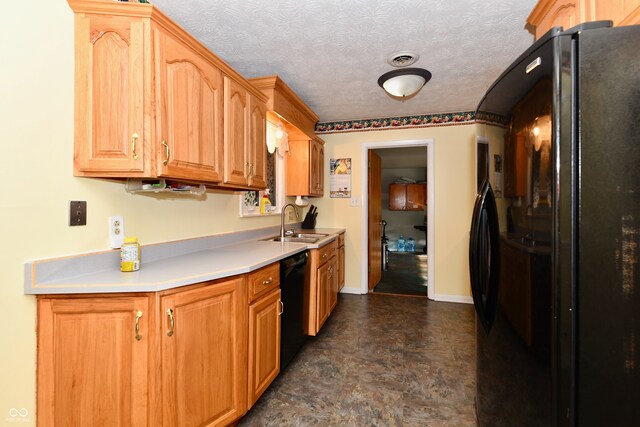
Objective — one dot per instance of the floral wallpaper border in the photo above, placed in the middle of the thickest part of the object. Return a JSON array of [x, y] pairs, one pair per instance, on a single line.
[[417, 121]]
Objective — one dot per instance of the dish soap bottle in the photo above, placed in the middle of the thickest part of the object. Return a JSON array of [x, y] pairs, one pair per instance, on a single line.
[[265, 203], [400, 244]]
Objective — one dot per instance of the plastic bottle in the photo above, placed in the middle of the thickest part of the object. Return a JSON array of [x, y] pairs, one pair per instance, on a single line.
[[130, 254], [265, 203], [411, 245], [401, 244]]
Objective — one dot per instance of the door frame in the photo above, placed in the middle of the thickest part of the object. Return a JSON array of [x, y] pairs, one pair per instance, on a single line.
[[430, 144]]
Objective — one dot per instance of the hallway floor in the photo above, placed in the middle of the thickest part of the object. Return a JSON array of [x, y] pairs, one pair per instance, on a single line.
[[406, 275], [380, 360]]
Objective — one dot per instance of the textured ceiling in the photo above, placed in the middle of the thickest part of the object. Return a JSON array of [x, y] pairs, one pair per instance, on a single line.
[[331, 52]]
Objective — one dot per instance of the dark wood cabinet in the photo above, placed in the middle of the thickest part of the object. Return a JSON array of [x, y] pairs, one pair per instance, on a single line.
[[407, 197], [525, 293]]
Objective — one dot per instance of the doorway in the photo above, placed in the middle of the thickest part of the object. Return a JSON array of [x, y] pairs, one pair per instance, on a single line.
[[423, 261]]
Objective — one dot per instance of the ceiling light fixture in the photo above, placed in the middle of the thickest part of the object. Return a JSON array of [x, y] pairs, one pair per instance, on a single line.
[[404, 83]]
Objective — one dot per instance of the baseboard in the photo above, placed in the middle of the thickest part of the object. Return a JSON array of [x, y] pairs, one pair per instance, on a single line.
[[453, 298], [347, 290]]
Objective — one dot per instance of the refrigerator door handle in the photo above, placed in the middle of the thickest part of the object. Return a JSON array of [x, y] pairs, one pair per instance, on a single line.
[[484, 256]]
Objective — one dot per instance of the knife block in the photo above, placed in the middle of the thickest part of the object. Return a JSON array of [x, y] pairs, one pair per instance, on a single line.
[[309, 221]]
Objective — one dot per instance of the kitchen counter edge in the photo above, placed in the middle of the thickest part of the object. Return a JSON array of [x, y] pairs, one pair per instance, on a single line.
[[164, 265]]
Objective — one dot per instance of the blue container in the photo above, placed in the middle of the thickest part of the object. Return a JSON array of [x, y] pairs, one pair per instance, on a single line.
[[410, 246], [400, 246]]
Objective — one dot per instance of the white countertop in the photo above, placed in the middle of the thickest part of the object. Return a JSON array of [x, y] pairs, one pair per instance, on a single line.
[[189, 264]]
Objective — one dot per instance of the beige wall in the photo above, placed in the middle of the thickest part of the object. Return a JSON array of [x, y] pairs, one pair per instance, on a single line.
[[454, 197], [37, 175]]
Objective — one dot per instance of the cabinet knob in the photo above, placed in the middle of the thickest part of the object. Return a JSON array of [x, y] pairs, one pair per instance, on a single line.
[[268, 281], [138, 316], [167, 152], [171, 322], [134, 138]]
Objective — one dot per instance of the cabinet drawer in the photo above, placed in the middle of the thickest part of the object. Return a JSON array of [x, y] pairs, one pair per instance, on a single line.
[[326, 252], [263, 280]]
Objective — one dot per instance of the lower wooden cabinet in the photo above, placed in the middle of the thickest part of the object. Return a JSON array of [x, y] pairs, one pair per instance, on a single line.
[[93, 359], [199, 355], [323, 286], [204, 354], [264, 344], [341, 266]]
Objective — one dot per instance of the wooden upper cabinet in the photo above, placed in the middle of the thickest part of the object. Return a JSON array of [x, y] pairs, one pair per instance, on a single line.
[[204, 354], [305, 159], [190, 112], [151, 101], [111, 105], [568, 13], [236, 126], [257, 144], [407, 197], [264, 343], [305, 168], [93, 361]]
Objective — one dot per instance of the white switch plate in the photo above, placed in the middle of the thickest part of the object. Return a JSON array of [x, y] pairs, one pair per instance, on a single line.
[[116, 231], [354, 201]]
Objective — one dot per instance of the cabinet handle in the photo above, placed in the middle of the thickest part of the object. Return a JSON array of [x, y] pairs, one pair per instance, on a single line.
[[134, 138], [138, 316], [171, 322], [167, 152], [324, 256], [248, 166], [281, 307], [268, 281]]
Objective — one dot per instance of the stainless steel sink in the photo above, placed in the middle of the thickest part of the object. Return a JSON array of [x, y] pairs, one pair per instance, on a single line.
[[298, 238], [293, 239], [308, 235]]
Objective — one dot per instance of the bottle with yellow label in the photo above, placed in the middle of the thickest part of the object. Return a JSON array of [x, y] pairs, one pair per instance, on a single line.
[[265, 203], [130, 255]]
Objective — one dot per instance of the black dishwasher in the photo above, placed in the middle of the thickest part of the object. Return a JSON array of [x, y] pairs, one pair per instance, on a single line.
[[292, 284]]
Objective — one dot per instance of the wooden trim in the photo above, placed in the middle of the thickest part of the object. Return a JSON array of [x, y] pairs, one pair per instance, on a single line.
[[287, 104]]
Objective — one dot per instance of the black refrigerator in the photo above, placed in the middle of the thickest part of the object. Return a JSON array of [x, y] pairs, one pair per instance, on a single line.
[[554, 255]]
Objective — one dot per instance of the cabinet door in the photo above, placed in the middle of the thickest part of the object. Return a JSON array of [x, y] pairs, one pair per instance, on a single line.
[[515, 165], [332, 288], [327, 281], [415, 197], [298, 168], [189, 130], [204, 354], [323, 301], [316, 152], [397, 197], [92, 361], [257, 144], [236, 129], [341, 267], [264, 344], [110, 99]]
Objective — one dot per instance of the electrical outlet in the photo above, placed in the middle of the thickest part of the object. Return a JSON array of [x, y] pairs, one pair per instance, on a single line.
[[77, 213], [354, 201], [291, 215], [116, 231]]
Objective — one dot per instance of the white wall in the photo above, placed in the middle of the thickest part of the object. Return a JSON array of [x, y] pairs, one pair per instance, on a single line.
[[454, 148]]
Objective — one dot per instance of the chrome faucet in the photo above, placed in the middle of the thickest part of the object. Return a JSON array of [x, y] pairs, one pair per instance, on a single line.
[[282, 232]]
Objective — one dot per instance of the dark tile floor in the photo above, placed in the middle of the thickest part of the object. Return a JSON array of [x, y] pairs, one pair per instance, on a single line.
[[380, 360], [406, 275]]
